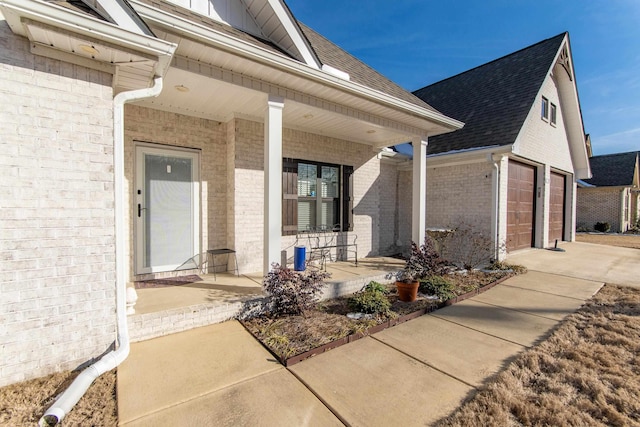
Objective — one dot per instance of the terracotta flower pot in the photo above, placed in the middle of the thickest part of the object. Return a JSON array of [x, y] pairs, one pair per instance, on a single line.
[[407, 292]]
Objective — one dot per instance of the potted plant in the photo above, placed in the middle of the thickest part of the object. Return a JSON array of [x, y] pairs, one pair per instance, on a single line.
[[407, 284]]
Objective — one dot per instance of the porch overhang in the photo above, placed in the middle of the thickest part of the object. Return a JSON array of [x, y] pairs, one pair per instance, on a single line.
[[229, 77]]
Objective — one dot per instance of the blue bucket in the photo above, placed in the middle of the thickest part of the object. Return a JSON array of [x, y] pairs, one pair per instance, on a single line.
[[299, 258]]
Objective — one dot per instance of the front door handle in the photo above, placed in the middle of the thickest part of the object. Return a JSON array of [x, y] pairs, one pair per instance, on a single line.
[[140, 209]]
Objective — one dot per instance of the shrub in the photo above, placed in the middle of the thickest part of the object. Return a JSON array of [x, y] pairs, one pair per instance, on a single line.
[[369, 301], [438, 286], [603, 227], [425, 260], [376, 287], [293, 292], [469, 247]]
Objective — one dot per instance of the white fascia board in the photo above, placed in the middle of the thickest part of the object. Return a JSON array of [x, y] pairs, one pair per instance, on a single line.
[[78, 23], [288, 22], [469, 155], [252, 52]]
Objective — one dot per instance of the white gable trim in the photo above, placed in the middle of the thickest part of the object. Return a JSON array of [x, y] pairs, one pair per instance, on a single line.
[[293, 29], [572, 114], [120, 13]]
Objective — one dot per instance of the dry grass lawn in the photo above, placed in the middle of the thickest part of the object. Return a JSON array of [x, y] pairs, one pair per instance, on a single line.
[[586, 374], [623, 240], [24, 403]]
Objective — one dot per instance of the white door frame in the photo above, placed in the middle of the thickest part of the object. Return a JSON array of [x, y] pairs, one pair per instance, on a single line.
[[139, 203]]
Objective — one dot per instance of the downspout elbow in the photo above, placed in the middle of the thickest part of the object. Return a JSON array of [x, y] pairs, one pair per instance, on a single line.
[[109, 361]]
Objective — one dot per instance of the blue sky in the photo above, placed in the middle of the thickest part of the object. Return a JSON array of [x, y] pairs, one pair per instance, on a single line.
[[419, 42]]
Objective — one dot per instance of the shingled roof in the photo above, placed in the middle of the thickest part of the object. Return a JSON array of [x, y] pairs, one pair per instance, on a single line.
[[493, 100], [613, 169], [359, 72], [326, 51]]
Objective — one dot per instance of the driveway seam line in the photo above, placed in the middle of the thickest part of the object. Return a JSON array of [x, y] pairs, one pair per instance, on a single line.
[[478, 330], [566, 275], [545, 292], [325, 403], [526, 312], [425, 363]]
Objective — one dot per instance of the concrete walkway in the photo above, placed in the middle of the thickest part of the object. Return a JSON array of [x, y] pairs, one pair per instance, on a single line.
[[412, 374]]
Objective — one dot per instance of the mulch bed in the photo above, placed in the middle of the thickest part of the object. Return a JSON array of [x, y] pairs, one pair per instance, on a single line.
[[292, 339]]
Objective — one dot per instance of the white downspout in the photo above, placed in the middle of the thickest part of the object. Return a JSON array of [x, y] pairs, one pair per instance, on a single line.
[[79, 386]]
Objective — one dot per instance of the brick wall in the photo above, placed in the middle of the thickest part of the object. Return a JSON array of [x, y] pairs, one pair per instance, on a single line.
[[459, 194], [374, 189], [460, 197], [598, 205], [539, 140], [57, 249]]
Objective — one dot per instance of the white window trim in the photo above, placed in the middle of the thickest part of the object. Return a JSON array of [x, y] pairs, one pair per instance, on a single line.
[[544, 112]]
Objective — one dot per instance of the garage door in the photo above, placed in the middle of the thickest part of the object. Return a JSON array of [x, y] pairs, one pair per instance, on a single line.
[[556, 207], [520, 206]]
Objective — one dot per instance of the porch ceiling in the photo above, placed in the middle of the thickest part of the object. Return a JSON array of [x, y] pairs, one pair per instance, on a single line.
[[196, 95]]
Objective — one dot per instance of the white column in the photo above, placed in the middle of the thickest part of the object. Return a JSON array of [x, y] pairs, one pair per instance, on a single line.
[[419, 199], [272, 182]]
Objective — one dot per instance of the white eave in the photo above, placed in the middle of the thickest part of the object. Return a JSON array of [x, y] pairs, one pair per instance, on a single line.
[[64, 34], [414, 115]]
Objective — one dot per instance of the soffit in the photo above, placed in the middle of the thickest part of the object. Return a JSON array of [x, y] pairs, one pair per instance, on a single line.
[[224, 83], [79, 38]]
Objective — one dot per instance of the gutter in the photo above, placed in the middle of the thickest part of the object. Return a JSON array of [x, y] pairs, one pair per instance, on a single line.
[[79, 386], [229, 44], [15, 11]]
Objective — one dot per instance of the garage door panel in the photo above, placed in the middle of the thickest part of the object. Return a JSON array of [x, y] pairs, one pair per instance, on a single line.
[[556, 206], [520, 205]]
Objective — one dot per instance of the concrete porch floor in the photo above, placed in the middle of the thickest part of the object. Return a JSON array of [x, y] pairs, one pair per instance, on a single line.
[[168, 309]]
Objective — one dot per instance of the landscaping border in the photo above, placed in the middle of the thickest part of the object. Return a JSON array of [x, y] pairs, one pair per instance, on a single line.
[[290, 361]]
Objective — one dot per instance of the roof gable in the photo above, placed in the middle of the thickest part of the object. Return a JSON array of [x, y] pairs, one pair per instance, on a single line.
[[270, 20], [612, 170], [493, 100]]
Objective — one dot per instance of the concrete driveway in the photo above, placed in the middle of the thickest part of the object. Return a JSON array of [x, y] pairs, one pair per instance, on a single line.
[[609, 264]]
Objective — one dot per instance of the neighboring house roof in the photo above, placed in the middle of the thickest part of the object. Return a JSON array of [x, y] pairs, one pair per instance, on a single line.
[[493, 100], [613, 169]]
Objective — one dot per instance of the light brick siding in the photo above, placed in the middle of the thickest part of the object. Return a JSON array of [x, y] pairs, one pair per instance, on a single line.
[[542, 142], [599, 205], [145, 125], [460, 197], [57, 253]]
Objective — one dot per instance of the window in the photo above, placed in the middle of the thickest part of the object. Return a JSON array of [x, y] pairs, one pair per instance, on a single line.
[[545, 109], [316, 196], [553, 113]]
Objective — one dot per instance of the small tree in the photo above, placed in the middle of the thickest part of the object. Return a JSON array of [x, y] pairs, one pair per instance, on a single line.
[[425, 259], [293, 292]]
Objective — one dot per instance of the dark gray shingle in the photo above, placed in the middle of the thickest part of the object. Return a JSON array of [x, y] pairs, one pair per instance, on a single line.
[[613, 169], [493, 100]]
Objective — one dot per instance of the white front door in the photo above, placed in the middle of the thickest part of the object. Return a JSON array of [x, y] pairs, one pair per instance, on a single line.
[[166, 209]]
